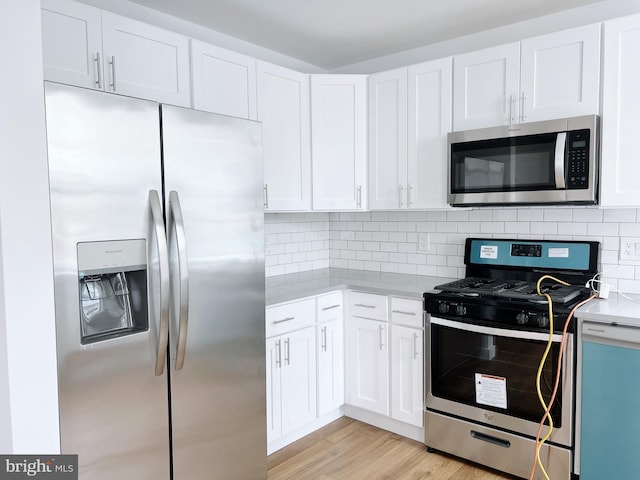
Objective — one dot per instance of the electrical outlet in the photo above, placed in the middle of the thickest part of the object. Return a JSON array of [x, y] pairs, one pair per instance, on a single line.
[[424, 242], [629, 248]]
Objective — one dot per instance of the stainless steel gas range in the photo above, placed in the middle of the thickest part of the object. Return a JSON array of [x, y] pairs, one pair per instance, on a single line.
[[487, 334]]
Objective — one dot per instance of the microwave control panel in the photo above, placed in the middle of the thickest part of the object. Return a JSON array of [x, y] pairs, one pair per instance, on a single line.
[[578, 159]]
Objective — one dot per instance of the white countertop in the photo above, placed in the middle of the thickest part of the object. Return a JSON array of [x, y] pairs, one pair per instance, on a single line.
[[283, 288], [618, 309]]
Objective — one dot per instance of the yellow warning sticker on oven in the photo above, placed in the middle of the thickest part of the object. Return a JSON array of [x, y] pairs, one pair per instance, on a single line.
[[491, 390]]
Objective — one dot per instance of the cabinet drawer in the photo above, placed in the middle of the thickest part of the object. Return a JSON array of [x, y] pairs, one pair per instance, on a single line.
[[290, 316], [368, 305], [406, 311], [329, 307]]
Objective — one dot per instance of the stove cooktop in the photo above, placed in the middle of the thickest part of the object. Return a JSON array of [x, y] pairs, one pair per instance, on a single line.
[[512, 290]]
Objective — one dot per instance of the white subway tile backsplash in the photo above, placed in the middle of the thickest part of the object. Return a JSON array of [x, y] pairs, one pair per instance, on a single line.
[[388, 241]]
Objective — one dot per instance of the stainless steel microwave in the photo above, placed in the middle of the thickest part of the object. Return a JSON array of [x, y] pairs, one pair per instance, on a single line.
[[551, 162]]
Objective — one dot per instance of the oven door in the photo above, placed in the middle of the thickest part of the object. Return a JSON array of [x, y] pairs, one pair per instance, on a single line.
[[488, 375]]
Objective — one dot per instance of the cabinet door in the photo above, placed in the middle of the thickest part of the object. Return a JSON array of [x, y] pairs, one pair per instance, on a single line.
[[298, 379], [330, 348], [407, 374], [72, 43], [429, 109], [560, 74], [145, 61], [486, 87], [274, 388], [388, 139], [283, 109], [338, 141], [368, 360], [619, 186], [223, 81]]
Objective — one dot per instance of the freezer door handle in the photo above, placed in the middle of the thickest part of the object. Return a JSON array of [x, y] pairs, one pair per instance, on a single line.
[[175, 223], [163, 263]]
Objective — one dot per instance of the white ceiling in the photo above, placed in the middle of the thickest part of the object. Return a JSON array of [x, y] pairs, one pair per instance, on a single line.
[[335, 33]]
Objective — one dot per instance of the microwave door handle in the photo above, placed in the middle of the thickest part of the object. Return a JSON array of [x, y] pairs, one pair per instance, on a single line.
[[559, 160]]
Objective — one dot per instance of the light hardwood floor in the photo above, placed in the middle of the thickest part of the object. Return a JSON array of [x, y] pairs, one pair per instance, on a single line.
[[351, 450]]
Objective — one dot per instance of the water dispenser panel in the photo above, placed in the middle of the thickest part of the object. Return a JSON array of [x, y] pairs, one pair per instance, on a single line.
[[112, 282]]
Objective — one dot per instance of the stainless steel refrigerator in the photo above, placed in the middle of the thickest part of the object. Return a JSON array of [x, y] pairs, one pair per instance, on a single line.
[[157, 219]]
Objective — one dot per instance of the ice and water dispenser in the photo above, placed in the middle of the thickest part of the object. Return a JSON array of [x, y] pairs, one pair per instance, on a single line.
[[112, 282]]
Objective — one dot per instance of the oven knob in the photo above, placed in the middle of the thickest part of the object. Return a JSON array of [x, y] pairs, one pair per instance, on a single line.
[[522, 318], [461, 310], [542, 321], [443, 307]]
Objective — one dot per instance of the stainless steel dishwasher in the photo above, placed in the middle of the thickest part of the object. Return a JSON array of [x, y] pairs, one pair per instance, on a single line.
[[609, 391]]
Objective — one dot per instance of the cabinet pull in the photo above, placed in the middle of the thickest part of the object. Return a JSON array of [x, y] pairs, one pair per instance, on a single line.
[[288, 319], [364, 305], [324, 339], [400, 189], [330, 307], [112, 62], [278, 355], [511, 101], [415, 346], [522, 114], [98, 63], [409, 189], [402, 312], [381, 330], [287, 352], [266, 196], [359, 197]]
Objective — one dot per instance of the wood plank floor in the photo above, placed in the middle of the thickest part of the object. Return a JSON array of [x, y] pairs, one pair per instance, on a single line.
[[351, 450]]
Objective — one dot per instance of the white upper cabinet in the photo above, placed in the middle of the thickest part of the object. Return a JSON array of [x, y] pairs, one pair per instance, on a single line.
[[409, 118], [540, 78], [429, 122], [145, 61], [223, 81], [338, 141], [485, 84], [388, 139], [283, 109], [72, 43], [91, 48], [620, 168], [560, 74]]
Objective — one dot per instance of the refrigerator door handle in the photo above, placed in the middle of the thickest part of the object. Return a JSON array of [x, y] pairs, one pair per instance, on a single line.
[[175, 221], [163, 261]]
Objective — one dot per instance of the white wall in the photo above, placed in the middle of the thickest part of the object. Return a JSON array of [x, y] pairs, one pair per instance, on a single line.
[[28, 380], [592, 13]]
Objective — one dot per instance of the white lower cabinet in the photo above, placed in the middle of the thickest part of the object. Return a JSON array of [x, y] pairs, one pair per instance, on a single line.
[[407, 360], [330, 350], [368, 354]]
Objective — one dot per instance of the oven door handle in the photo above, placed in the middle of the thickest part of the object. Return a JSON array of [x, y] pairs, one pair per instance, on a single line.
[[558, 164], [501, 332]]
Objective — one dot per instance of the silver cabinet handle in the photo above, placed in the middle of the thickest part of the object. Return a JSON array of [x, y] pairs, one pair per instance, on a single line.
[[112, 62], [287, 319], [400, 189], [402, 312], [324, 339], [523, 117], [266, 196], [409, 189], [175, 220], [380, 331], [359, 196], [364, 305], [510, 108], [98, 63], [163, 264], [324, 309], [287, 352], [415, 346], [278, 355]]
